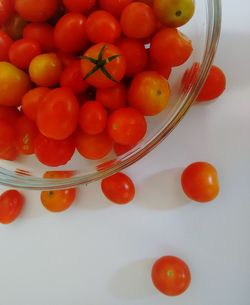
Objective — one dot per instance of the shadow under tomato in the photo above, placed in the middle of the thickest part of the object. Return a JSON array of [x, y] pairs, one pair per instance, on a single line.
[[133, 281], [162, 191]]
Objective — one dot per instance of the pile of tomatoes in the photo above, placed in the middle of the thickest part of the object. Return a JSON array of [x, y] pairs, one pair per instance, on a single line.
[[84, 74]]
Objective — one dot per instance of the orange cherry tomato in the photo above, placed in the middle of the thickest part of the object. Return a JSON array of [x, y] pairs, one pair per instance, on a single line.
[[26, 134], [8, 150], [93, 118], [36, 11], [138, 20], [171, 275], [127, 126], [118, 188], [170, 47], [14, 83], [57, 115], [11, 204], [31, 100], [200, 182], [112, 98], [23, 51], [149, 93], [93, 147], [45, 70]]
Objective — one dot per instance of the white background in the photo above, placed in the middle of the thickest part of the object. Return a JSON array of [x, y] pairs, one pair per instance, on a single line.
[[101, 254]]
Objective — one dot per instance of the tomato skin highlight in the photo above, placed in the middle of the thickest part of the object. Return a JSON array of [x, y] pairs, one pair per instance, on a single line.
[[11, 204], [57, 115], [171, 275], [118, 188], [200, 182]]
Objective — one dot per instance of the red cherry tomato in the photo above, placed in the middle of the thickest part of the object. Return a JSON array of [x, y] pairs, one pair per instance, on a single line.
[[23, 51], [8, 136], [112, 98], [127, 126], [45, 70], [11, 204], [171, 275], [93, 117], [79, 6], [6, 10], [42, 33], [170, 47], [164, 70], [5, 44], [70, 33], [72, 78], [138, 20], [14, 26], [114, 7], [26, 134], [200, 182], [118, 188], [101, 26], [9, 114], [121, 149], [66, 59], [57, 115], [31, 100], [135, 55], [103, 65], [93, 147], [36, 11], [54, 152], [149, 93]]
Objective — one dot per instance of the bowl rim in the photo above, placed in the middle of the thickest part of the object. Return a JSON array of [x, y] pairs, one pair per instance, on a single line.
[[11, 179]]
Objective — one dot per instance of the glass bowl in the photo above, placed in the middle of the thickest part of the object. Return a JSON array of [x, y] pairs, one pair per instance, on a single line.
[[204, 31]]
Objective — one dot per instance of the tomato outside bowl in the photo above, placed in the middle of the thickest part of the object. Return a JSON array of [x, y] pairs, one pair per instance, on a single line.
[[204, 31]]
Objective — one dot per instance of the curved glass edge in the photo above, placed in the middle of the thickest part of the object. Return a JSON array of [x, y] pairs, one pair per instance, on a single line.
[[9, 179]]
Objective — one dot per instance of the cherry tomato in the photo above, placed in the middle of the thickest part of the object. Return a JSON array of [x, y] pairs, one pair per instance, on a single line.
[[70, 33], [103, 65], [31, 100], [101, 26], [214, 85], [14, 26], [93, 147], [66, 59], [11, 204], [164, 70], [5, 44], [8, 135], [121, 149], [59, 200], [58, 174], [127, 126], [36, 11], [93, 118], [72, 78], [6, 10], [114, 7], [23, 51], [42, 33], [112, 98], [45, 70], [200, 182], [118, 188], [54, 152], [135, 55], [174, 13], [14, 83], [26, 135], [171, 275], [79, 6], [163, 44], [9, 114], [138, 20], [57, 115], [149, 93]]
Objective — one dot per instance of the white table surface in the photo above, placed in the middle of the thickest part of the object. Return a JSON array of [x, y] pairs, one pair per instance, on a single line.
[[101, 254]]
